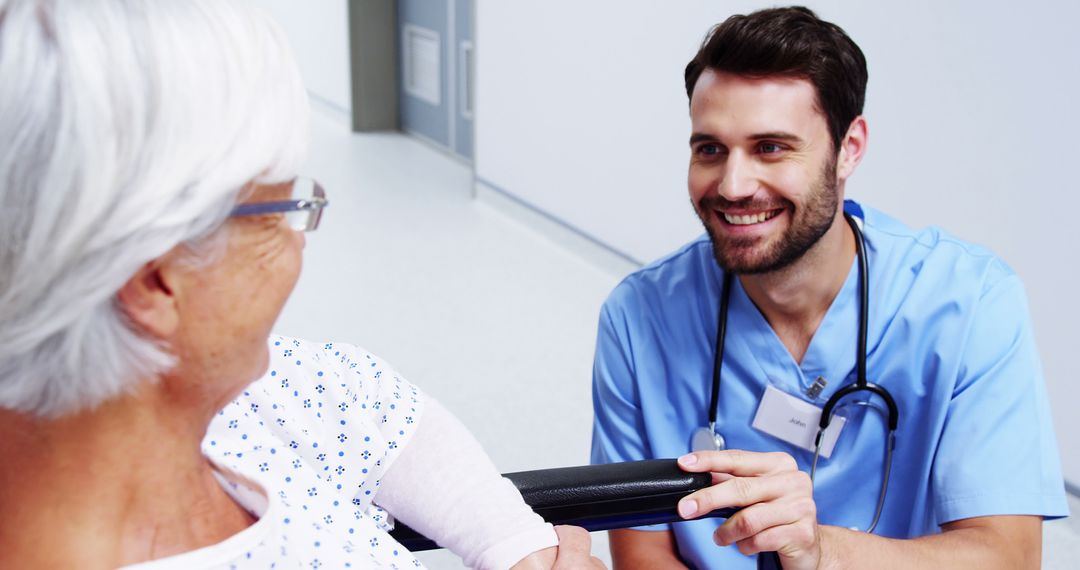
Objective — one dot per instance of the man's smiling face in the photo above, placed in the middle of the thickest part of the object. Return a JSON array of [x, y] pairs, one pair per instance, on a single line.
[[762, 174]]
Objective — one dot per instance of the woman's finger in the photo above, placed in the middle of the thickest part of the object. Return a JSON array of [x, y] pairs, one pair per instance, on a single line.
[[575, 548]]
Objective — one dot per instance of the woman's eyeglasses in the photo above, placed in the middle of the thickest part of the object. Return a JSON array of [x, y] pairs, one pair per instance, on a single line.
[[302, 215]]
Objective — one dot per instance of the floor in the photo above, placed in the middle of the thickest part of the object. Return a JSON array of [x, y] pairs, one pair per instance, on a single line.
[[481, 311]]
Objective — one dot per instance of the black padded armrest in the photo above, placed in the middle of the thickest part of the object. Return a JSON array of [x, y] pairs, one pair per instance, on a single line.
[[598, 497]]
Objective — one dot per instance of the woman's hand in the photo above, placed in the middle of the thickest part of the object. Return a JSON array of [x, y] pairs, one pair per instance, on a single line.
[[575, 549], [574, 552], [778, 511]]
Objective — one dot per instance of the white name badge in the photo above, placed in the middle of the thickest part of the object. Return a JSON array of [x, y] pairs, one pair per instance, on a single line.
[[795, 421]]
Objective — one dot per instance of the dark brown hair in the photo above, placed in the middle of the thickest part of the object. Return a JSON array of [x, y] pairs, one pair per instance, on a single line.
[[790, 42]]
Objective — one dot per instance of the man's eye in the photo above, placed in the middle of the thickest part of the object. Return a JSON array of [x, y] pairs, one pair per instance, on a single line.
[[769, 148], [709, 149]]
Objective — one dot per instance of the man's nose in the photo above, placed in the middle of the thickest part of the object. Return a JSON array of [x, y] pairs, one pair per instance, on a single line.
[[738, 179]]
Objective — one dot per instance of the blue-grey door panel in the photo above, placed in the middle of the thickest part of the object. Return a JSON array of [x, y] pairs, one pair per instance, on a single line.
[[464, 52], [424, 25]]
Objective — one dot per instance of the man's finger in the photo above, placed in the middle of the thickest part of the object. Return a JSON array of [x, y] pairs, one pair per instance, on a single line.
[[788, 541], [738, 462], [746, 491], [763, 518]]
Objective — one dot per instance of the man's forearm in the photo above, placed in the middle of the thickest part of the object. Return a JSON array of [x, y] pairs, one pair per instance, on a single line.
[[640, 549], [984, 543]]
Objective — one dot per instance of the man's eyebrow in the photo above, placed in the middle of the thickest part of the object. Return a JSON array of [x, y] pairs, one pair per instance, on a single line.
[[772, 135], [776, 135], [700, 137]]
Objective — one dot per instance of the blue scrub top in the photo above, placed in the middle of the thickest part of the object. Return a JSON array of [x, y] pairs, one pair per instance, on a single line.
[[949, 336]]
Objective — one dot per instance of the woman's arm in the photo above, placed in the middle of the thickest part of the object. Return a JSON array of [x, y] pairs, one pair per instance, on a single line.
[[444, 486]]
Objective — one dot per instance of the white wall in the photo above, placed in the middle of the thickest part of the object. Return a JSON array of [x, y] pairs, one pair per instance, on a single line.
[[319, 35], [581, 113]]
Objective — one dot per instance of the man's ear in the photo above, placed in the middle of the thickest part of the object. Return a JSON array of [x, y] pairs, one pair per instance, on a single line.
[[149, 301], [852, 148]]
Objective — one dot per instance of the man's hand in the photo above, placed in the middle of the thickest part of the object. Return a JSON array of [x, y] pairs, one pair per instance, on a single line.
[[778, 511]]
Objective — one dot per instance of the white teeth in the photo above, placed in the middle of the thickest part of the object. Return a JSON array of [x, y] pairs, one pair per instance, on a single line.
[[746, 220]]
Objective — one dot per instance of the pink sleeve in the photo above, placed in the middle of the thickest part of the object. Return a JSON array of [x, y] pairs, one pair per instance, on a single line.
[[444, 486]]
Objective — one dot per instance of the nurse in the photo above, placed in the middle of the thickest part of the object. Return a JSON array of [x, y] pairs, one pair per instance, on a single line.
[[776, 101]]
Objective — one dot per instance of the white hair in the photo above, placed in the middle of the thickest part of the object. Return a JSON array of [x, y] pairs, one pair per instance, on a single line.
[[127, 127]]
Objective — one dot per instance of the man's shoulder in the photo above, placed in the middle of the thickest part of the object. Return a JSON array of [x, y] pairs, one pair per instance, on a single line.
[[932, 254], [681, 273]]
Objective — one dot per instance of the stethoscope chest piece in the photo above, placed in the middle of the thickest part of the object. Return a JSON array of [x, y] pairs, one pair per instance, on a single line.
[[706, 439]]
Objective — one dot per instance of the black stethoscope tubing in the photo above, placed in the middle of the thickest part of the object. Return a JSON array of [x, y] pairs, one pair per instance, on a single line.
[[860, 383]]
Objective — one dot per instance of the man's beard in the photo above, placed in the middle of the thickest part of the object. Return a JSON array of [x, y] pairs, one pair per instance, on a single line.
[[808, 225]]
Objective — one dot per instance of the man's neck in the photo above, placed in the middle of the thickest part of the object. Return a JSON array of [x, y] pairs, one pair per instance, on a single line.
[[795, 299], [121, 484]]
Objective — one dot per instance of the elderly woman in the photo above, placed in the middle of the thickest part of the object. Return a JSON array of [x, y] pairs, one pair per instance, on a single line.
[[151, 230]]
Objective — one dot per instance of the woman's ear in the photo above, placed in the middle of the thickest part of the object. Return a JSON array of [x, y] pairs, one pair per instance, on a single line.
[[852, 148], [149, 300]]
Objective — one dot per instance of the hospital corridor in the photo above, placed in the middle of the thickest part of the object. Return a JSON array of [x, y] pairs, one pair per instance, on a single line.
[[617, 284]]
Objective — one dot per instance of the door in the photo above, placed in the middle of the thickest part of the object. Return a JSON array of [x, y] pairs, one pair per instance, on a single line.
[[436, 71]]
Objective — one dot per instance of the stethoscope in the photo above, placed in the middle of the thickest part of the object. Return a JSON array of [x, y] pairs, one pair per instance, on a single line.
[[708, 438]]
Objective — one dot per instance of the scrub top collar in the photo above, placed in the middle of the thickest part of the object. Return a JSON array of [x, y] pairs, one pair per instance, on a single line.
[[831, 352]]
